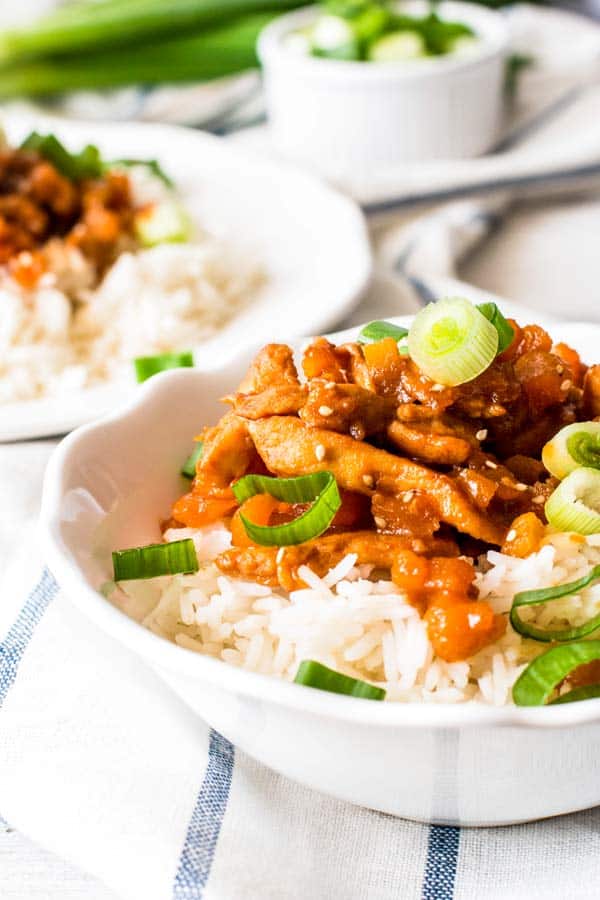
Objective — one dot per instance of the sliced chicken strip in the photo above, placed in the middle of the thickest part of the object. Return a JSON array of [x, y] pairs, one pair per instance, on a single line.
[[288, 447], [278, 400], [424, 443], [228, 451], [271, 365], [279, 566], [347, 408]]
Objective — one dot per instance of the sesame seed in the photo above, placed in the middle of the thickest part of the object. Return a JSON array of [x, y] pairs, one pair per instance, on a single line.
[[490, 464], [368, 480], [481, 434], [566, 384], [560, 370], [330, 385], [520, 486], [511, 535], [325, 410], [279, 556], [320, 452], [25, 258], [437, 387], [407, 497], [538, 500], [473, 619], [380, 522]]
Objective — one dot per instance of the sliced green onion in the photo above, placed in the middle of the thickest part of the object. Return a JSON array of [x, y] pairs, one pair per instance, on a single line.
[[174, 558], [463, 46], [315, 675], [188, 470], [147, 366], [319, 487], [85, 164], [166, 222], [75, 166], [403, 45], [333, 38], [505, 330], [152, 164], [543, 595], [573, 446], [542, 676], [575, 504], [588, 692], [377, 331], [452, 342]]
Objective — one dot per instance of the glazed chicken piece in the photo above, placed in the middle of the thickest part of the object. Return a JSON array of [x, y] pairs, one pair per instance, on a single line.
[[490, 394], [279, 566], [283, 399], [359, 372], [404, 513], [271, 386], [271, 365], [228, 451], [288, 447], [346, 408], [429, 442], [591, 392]]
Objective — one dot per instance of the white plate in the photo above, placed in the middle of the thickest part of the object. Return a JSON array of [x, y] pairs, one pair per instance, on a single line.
[[311, 240], [468, 764]]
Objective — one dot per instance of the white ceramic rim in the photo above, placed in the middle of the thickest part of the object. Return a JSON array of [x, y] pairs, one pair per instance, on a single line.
[[490, 25], [163, 654]]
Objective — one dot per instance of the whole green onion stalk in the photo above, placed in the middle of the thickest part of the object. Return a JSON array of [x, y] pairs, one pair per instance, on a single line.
[[80, 28], [214, 53]]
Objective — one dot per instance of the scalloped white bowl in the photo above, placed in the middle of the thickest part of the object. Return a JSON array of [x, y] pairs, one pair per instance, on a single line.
[[107, 486]]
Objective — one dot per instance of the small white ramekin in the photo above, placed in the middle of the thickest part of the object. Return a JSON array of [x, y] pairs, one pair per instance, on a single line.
[[339, 116]]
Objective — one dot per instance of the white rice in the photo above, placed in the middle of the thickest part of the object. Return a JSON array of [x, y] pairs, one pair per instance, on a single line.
[[366, 629], [64, 335]]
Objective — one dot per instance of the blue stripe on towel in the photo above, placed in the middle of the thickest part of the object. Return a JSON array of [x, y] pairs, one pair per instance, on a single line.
[[15, 643], [440, 867], [205, 824]]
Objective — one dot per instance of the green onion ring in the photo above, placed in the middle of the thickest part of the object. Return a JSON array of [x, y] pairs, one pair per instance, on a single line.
[[533, 598], [572, 447], [320, 487], [173, 558], [188, 470], [575, 504], [147, 366], [316, 675], [542, 676], [452, 342], [377, 331]]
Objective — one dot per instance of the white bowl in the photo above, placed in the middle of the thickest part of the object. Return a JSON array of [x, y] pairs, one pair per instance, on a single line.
[[337, 116], [468, 764], [311, 241]]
